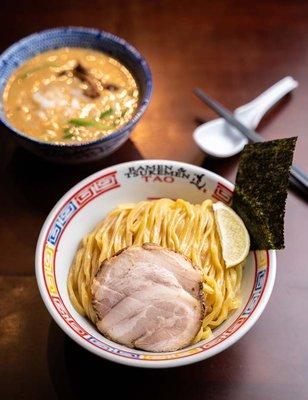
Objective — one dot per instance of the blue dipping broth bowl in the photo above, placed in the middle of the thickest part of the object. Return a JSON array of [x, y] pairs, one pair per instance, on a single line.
[[56, 38]]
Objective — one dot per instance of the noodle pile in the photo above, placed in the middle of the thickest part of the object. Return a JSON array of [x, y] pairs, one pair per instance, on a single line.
[[177, 225]]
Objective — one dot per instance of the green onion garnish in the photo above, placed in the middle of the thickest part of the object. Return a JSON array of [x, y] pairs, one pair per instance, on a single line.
[[124, 112], [81, 122], [106, 113], [67, 133], [69, 136]]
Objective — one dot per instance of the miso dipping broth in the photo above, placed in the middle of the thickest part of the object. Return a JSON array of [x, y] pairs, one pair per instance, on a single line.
[[70, 95]]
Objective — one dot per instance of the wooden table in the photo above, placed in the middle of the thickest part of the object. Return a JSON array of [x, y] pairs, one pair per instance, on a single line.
[[233, 50]]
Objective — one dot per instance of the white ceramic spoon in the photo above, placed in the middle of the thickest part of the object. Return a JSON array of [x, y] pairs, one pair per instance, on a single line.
[[218, 139]]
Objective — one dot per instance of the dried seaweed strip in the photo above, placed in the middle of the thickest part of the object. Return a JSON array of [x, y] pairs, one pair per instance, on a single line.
[[261, 190]]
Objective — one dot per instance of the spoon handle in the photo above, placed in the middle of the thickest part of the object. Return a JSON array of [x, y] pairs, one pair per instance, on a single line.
[[252, 113]]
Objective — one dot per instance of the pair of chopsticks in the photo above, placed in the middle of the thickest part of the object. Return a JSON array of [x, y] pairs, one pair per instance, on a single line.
[[298, 178]]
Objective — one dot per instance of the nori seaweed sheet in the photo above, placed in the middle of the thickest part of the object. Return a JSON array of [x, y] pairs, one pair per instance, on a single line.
[[261, 190]]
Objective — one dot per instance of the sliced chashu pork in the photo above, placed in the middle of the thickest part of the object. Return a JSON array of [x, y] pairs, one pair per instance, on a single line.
[[149, 298]]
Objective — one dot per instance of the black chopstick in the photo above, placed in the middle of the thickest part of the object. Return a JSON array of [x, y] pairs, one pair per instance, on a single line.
[[297, 177]]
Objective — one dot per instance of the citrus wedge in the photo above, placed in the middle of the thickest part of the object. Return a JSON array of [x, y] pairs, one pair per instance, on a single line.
[[234, 237]]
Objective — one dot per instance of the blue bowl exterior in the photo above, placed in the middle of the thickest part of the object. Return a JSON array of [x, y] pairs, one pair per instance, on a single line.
[[116, 47]]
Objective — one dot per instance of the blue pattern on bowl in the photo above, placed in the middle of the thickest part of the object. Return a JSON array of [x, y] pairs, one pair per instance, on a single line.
[[50, 39]]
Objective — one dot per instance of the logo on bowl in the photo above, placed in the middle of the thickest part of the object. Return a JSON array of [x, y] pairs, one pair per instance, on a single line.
[[167, 174]]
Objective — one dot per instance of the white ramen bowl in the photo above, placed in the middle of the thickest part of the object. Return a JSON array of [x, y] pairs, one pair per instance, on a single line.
[[88, 202]]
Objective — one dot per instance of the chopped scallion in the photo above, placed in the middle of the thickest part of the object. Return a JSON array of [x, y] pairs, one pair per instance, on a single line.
[[67, 133], [106, 113], [124, 112], [81, 122]]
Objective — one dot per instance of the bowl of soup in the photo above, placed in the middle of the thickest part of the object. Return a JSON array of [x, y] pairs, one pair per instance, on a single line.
[[72, 94]]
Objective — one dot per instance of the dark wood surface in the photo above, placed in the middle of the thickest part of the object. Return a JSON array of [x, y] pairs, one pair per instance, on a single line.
[[234, 51]]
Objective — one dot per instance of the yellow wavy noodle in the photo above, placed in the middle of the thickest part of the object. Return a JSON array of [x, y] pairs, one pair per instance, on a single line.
[[177, 225]]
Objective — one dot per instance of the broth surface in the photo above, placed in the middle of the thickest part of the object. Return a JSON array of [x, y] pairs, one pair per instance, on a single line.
[[70, 95]]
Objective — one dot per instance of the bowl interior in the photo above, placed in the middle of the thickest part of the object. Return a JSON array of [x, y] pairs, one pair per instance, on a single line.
[[51, 39], [85, 205]]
